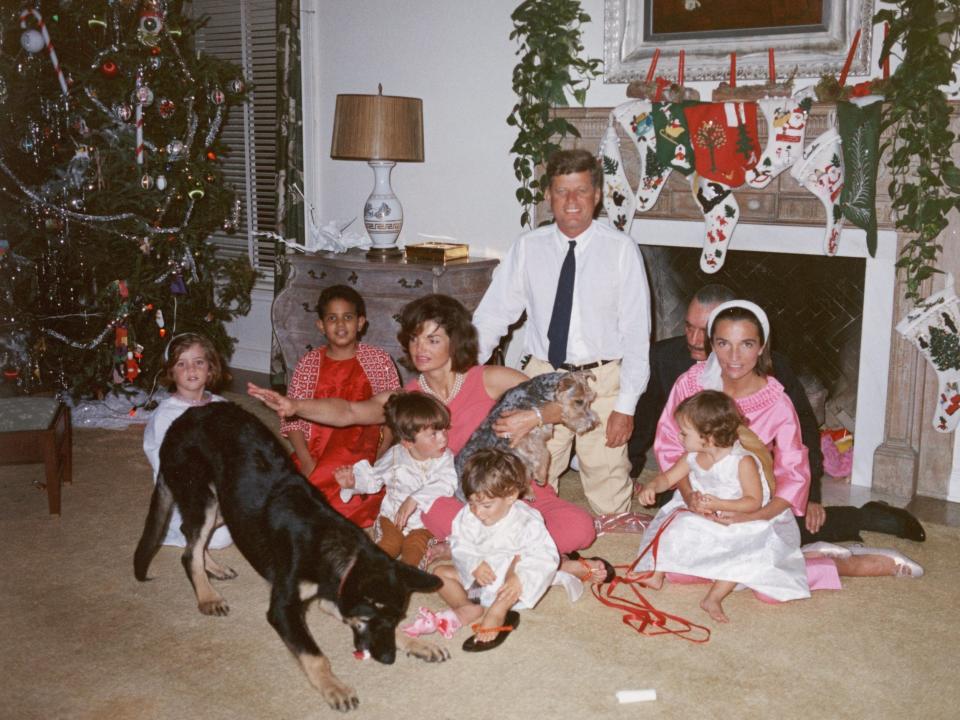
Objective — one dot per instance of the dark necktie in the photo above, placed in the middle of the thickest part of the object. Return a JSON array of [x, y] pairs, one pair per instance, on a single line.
[[562, 306]]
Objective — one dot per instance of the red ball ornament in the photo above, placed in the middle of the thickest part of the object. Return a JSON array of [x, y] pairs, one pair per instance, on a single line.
[[155, 51], [109, 69], [211, 155]]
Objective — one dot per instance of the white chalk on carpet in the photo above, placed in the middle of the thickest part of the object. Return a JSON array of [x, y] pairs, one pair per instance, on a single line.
[[632, 696]]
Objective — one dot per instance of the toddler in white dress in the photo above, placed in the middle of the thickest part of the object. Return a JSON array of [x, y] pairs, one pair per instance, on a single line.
[[502, 552], [718, 476]]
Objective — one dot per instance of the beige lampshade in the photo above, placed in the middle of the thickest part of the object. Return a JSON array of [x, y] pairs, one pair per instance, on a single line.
[[378, 127]]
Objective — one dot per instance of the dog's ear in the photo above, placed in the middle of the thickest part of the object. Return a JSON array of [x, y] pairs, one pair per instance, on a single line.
[[417, 580]]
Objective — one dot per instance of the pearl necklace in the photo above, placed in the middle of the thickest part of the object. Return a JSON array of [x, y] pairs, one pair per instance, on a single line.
[[458, 379], [202, 401]]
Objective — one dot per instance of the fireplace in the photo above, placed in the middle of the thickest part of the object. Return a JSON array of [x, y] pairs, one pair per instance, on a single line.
[[848, 302]]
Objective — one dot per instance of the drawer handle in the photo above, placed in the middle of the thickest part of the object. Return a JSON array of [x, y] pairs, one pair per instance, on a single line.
[[353, 278], [396, 316], [312, 273], [306, 307], [403, 282], [753, 204]]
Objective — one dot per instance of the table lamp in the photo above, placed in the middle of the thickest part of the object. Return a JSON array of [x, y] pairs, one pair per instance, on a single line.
[[383, 130]]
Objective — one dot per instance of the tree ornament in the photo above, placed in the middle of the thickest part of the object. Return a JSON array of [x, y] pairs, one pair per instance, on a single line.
[[146, 182], [217, 97], [176, 149], [211, 155], [236, 86], [159, 318], [166, 107], [161, 182], [150, 26], [109, 69], [196, 193], [76, 203], [4, 91], [154, 63], [96, 22], [32, 41], [143, 95], [131, 369], [123, 112]]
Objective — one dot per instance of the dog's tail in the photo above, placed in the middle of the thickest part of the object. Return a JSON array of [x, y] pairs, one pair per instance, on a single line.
[[161, 505]]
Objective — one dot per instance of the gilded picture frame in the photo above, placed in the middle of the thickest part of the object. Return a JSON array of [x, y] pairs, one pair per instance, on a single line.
[[631, 38]]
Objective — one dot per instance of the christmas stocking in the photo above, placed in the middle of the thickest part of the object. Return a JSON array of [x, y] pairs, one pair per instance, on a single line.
[[618, 200], [933, 327], [821, 172], [724, 138], [673, 139], [859, 124], [786, 127], [720, 215]]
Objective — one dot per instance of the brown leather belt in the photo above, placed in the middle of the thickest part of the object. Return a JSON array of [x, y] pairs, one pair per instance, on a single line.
[[585, 366]]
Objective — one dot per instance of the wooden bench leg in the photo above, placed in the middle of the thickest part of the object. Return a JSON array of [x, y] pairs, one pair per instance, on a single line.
[[51, 460]]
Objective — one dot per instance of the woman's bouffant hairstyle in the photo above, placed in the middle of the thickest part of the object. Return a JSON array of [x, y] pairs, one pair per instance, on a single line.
[[449, 314], [494, 473], [408, 413], [713, 414], [179, 344], [570, 162], [341, 292], [764, 364]]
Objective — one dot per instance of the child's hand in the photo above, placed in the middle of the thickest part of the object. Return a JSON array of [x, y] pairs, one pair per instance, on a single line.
[[284, 406], [344, 476], [510, 591], [403, 514], [647, 495], [484, 574]]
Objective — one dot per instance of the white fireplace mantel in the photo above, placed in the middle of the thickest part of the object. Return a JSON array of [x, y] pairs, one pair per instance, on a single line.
[[877, 325]]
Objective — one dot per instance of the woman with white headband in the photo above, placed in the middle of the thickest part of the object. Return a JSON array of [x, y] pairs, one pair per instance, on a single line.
[[739, 365]]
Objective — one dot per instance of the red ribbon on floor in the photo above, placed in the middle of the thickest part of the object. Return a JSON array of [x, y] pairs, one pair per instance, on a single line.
[[639, 613]]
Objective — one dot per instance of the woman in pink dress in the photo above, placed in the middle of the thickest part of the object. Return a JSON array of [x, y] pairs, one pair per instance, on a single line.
[[739, 365], [441, 345]]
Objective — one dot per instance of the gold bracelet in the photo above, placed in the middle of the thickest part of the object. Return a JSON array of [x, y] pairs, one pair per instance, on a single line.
[[539, 415]]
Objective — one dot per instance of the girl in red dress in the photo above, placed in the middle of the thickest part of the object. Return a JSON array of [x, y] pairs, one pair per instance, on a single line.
[[350, 370]]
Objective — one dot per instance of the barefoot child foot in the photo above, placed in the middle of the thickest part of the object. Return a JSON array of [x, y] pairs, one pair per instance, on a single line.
[[714, 597]]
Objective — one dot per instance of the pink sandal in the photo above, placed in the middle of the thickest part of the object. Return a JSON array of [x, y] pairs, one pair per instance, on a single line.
[[444, 622]]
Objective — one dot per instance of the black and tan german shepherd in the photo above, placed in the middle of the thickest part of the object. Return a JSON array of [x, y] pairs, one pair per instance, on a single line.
[[220, 459]]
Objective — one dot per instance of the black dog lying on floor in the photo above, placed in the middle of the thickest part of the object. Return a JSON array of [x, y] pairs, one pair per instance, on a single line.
[[222, 455]]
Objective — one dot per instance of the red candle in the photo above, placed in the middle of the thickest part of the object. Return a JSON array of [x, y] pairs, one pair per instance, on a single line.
[[849, 62], [653, 64], [771, 66], [733, 69], [680, 69], [886, 60]]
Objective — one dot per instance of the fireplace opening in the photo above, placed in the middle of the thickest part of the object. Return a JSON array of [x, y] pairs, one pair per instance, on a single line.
[[815, 306]]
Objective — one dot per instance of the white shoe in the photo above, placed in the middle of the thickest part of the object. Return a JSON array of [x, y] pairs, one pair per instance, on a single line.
[[905, 567], [825, 549], [575, 464]]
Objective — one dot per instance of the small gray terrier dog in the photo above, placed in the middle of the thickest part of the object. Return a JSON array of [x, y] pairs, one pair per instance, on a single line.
[[569, 389]]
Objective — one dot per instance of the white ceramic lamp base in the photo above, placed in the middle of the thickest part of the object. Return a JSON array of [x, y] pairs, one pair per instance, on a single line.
[[383, 214]]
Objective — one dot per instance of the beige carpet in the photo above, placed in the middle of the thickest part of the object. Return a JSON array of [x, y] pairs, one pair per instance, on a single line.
[[81, 638]]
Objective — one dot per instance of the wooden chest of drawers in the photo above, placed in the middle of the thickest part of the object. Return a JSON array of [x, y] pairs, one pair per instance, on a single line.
[[386, 286]]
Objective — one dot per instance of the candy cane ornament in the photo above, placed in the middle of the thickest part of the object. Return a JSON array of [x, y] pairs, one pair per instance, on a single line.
[[138, 118], [47, 43]]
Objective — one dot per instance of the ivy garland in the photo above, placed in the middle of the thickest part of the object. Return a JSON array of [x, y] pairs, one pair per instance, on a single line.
[[925, 183], [549, 33]]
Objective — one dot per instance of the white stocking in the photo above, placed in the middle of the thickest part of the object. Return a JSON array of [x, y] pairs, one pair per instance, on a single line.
[[933, 327], [720, 215], [821, 172], [618, 199], [786, 128]]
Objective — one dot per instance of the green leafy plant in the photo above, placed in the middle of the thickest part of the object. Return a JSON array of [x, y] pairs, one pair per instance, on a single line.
[[550, 67], [925, 183]]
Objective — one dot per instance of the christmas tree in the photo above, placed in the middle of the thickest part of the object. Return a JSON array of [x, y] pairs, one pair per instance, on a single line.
[[110, 184]]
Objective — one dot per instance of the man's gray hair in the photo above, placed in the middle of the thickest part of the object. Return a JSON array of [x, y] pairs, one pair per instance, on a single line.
[[714, 294]]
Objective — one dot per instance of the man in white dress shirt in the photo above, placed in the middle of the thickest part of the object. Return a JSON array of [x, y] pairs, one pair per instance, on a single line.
[[605, 328]]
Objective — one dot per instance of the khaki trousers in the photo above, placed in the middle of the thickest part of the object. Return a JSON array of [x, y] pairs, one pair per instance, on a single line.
[[410, 547], [604, 472]]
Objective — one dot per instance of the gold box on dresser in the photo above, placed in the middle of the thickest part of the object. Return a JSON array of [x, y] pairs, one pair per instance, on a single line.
[[436, 252]]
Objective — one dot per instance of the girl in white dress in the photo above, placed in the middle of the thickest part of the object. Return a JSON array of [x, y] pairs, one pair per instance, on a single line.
[[718, 475], [192, 365], [502, 552]]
